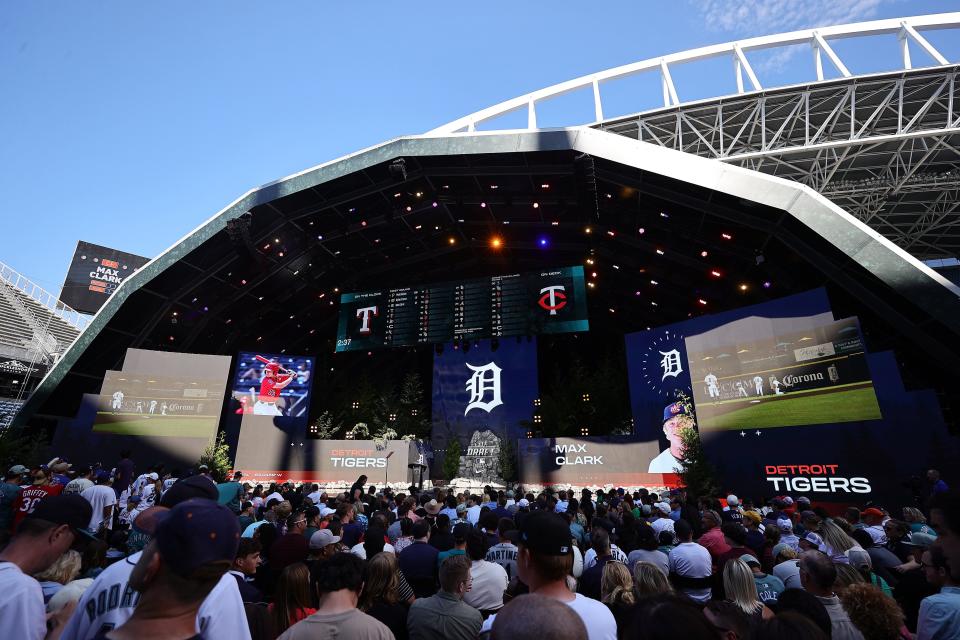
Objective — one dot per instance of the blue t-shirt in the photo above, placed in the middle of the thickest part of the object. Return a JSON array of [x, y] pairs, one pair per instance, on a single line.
[[8, 495], [769, 587]]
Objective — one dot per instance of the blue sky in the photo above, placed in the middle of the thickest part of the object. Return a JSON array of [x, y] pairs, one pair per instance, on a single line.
[[128, 124]]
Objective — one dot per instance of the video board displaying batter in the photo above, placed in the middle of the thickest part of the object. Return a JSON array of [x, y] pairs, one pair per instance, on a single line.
[[272, 384], [780, 372], [518, 304]]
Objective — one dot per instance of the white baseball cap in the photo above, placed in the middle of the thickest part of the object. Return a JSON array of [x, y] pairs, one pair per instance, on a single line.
[[663, 506], [523, 503], [322, 538], [326, 511], [732, 500]]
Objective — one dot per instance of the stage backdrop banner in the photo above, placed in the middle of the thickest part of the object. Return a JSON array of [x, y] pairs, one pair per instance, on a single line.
[[588, 462], [342, 461], [483, 390], [789, 402]]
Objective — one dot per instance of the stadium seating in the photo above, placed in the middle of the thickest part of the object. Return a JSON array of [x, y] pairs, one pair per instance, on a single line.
[[8, 409], [28, 326]]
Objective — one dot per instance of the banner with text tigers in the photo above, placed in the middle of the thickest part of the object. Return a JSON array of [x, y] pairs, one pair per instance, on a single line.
[[483, 389]]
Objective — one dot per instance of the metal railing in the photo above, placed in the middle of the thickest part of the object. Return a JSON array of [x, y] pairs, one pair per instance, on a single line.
[[44, 298]]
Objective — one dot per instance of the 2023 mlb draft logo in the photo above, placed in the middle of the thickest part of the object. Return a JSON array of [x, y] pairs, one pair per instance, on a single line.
[[815, 478]]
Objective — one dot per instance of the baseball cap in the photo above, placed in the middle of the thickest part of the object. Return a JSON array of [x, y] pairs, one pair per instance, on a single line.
[[19, 469], [523, 503], [72, 510], [603, 523], [196, 532], [326, 511], [663, 506], [750, 559], [322, 538], [153, 475], [545, 532], [732, 500], [872, 511], [462, 508], [509, 493], [101, 476], [859, 558], [646, 509], [814, 539], [192, 487], [779, 548], [784, 525], [461, 531], [672, 410]]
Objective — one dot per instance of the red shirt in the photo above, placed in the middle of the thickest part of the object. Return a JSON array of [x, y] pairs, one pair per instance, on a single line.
[[27, 500], [268, 390]]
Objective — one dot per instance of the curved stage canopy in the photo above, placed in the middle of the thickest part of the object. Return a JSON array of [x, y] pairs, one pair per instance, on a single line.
[[668, 234]]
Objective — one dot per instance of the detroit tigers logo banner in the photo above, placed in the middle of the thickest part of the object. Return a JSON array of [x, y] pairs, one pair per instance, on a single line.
[[483, 389], [788, 401]]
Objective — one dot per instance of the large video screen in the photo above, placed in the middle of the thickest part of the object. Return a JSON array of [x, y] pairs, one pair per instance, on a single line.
[[759, 372], [95, 273], [292, 400], [518, 304], [161, 393]]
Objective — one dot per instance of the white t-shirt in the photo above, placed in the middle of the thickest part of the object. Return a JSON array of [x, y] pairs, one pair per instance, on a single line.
[[600, 623], [658, 558], [110, 601], [473, 514], [314, 497], [22, 612], [360, 552], [577, 570], [590, 558], [100, 496], [690, 560], [489, 582], [505, 555], [664, 463], [877, 533], [77, 485]]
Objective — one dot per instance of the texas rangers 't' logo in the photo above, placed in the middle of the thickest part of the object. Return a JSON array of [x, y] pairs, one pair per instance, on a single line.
[[553, 298]]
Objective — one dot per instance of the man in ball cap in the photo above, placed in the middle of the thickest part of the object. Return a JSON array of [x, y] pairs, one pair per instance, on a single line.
[[221, 614], [675, 419], [55, 524], [193, 546], [544, 560]]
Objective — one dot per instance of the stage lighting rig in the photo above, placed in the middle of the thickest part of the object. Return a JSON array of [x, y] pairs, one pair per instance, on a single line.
[[398, 169]]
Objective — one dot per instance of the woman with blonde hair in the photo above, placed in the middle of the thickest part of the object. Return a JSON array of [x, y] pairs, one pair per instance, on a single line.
[[649, 580], [616, 591], [379, 597], [917, 521], [292, 600], [741, 589], [63, 570], [836, 541]]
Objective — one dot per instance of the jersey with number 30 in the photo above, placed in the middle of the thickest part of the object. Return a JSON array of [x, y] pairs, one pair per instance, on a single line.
[[28, 499]]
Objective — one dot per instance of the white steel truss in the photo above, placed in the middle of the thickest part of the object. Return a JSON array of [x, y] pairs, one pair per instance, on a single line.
[[885, 146]]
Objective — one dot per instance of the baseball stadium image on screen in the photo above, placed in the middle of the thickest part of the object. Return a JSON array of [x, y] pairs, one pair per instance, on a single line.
[[518, 304], [758, 373], [159, 394], [272, 385]]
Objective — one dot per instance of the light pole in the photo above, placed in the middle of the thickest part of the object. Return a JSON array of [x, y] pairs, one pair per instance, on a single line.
[[386, 468]]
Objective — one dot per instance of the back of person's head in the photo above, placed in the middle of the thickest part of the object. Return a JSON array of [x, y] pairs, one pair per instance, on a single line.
[[373, 541], [544, 539], [489, 521], [382, 581], [862, 537], [443, 523], [616, 584], [600, 541], [292, 594], [533, 615], [877, 616], [406, 526], [819, 569], [476, 545], [789, 625], [835, 537], [649, 580], [646, 538], [504, 526], [421, 529], [668, 617], [846, 576], [739, 585], [340, 571], [723, 614], [807, 605], [665, 538], [454, 573], [735, 532], [683, 530]]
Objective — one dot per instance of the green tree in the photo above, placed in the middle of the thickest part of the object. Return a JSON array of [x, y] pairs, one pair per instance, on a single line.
[[324, 428], [217, 457], [451, 459], [19, 447], [412, 412], [696, 472]]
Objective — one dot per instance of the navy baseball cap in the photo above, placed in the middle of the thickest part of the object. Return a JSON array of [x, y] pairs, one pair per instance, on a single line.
[[547, 533], [673, 409], [72, 510], [195, 533], [192, 487]]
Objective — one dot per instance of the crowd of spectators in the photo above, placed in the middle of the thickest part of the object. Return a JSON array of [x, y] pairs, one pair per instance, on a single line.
[[89, 554]]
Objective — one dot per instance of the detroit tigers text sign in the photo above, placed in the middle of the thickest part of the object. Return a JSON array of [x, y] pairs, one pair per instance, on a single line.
[[519, 304]]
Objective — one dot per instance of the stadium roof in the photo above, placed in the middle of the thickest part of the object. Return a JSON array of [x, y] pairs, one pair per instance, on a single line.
[[664, 234]]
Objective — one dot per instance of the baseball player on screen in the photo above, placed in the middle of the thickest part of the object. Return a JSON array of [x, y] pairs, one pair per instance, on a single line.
[[270, 387]]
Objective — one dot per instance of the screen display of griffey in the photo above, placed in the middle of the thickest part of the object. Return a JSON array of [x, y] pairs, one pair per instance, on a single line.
[[95, 273], [161, 394], [272, 384], [777, 372], [518, 304]]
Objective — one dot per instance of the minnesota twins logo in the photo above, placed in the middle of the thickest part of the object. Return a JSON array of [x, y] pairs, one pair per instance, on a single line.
[[553, 298]]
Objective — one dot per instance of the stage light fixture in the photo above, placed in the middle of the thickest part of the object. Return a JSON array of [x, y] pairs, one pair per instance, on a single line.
[[654, 282], [660, 252], [593, 274], [702, 301], [726, 236], [398, 169], [536, 205], [496, 242], [588, 230], [591, 285], [715, 273], [545, 186], [435, 205], [543, 242], [744, 287], [636, 293], [584, 431], [704, 254], [641, 231], [483, 205], [766, 285], [611, 233], [276, 241]]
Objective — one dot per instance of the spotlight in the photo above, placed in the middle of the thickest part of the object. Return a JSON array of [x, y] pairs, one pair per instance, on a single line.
[[744, 286], [641, 231], [726, 236], [715, 273], [543, 242], [704, 254], [451, 240], [536, 205], [496, 242], [766, 285]]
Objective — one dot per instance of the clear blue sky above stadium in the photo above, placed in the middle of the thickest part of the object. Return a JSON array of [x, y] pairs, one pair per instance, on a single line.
[[128, 124]]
